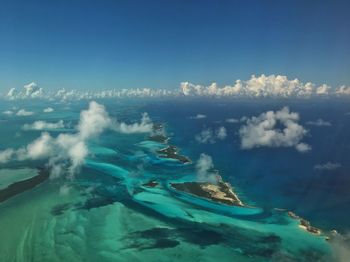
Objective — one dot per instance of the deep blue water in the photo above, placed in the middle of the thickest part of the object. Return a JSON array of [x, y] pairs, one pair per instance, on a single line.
[[273, 177]]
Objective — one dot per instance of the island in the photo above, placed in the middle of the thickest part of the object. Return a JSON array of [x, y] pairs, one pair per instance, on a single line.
[[24, 185], [304, 224], [159, 138], [172, 152], [158, 134], [220, 192], [151, 183]]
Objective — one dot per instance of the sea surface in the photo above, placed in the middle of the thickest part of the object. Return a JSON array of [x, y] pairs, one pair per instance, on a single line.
[[105, 213]]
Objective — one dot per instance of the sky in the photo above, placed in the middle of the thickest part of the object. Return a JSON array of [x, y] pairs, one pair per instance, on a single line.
[[158, 44]]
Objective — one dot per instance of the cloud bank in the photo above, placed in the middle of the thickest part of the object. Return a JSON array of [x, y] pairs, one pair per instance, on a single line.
[[255, 87], [264, 86], [31, 90], [264, 131]]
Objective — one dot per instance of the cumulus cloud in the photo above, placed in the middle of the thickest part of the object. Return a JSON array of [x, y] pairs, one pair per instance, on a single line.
[[205, 136], [221, 133], [204, 168], [319, 122], [232, 120], [93, 121], [66, 151], [327, 166], [48, 110], [6, 155], [39, 148], [11, 93], [145, 126], [64, 94], [23, 112], [256, 86], [198, 116], [302, 147], [31, 90], [264, 131], [42, 125], [264, 86], [343, 90], [209, 136]]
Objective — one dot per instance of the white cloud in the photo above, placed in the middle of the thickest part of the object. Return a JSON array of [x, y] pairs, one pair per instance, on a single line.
[[23, 112], [7, 112], [232, 120], [340, 244], [40, 148], [323, 90], [319, 122], [343, 90], [198, 116], [93, 121], [145, 126], [11, 93], [48, 110], [205, 136], [6, 155], [327, 166], [256, 86], [31, 90], [209, 136], [63, 94], [263, 131], [264, 86], [221, 133], [204, 166], [42, 125], [302, 147]]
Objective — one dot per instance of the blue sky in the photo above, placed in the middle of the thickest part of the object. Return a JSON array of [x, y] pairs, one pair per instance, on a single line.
[[158, 44]]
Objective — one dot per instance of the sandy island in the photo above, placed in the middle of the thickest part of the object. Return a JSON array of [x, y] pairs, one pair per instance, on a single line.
[[304, 224], [221, 192]]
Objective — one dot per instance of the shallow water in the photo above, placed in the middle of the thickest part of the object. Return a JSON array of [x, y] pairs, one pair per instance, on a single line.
[[108, 215]]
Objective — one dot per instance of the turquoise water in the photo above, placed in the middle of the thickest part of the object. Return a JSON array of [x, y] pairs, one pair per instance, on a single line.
[[107, 214]]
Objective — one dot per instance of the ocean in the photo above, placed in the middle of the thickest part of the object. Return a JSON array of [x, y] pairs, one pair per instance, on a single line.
[[106, 213]]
